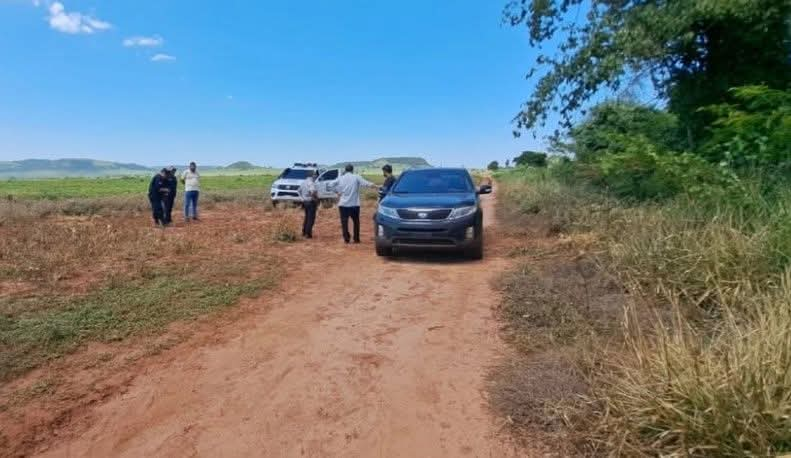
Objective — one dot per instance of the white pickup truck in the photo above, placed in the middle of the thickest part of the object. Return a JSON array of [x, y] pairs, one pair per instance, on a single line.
[[286, 187]]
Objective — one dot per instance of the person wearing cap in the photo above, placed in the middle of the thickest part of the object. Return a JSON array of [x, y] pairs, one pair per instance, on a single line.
[[191, 181], [310, 203], [171, 183], [156, 194], [387, 171], [348, 187]]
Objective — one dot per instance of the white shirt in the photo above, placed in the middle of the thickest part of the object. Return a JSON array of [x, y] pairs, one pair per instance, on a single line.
[[307, 189], [191, 180], [348, 186]]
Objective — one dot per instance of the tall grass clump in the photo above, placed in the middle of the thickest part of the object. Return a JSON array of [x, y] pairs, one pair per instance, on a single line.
[[702, 253], [683, 392]]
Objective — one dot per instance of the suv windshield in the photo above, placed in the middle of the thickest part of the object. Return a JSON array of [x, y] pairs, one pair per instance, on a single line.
[[434, 182], [296, 174]]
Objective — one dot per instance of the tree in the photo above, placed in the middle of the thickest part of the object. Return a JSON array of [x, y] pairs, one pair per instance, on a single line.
[[531, 158], [507, 163], [494, 165], [693, 51]]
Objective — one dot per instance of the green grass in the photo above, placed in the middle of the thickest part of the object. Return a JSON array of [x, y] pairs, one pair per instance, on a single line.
[[31, 335], [68, 188]]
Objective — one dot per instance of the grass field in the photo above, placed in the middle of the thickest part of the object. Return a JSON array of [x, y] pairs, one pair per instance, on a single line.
[[69, 188]]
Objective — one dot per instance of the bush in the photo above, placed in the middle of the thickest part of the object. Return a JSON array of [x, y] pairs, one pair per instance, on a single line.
[[531, 159], [640, 170], [611, 122]]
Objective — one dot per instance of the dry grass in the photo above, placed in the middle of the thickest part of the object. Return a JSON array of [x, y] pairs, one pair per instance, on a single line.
[[286, 227], [702, 366], [684, 392], [69, 281]]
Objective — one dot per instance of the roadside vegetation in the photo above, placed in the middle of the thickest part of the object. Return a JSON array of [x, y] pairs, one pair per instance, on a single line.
[[658, 306], [696, 358]]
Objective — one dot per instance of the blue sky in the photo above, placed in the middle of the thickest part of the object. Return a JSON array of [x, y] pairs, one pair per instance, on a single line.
[[271, 82]]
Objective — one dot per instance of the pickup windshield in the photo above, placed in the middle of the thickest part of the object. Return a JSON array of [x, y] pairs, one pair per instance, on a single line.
[[434, 182], [296, 174]]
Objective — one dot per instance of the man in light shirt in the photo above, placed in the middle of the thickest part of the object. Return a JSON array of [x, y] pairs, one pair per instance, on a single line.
[[191, 180], [310, 202], [348, 188]]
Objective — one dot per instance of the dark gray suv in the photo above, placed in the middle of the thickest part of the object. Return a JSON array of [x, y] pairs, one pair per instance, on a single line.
[[431, 209]]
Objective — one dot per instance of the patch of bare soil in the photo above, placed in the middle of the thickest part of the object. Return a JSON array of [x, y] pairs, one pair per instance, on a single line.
[[352, 355]]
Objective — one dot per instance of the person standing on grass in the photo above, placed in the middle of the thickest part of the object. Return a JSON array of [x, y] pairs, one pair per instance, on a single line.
[[156, 198], [191, 181], [347, 186], [170, 197], [310, 203], [387, 171]]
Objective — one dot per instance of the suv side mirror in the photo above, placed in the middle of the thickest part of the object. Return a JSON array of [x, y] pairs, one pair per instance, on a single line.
[[485, 189]]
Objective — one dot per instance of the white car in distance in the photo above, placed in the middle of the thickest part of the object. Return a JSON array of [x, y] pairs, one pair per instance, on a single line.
[[285, 189]]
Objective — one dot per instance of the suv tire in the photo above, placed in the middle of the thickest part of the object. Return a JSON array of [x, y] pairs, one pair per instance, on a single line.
[[384, 251]]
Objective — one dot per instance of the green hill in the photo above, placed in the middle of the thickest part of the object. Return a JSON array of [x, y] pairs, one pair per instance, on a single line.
[[47, 168], [241, 165], [398, 163]]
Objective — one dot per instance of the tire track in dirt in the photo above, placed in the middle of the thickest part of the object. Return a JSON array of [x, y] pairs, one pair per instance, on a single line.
[[358, 356]]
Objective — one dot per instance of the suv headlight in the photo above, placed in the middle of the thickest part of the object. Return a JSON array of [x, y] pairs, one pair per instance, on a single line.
[[389, 212], [461, 212]]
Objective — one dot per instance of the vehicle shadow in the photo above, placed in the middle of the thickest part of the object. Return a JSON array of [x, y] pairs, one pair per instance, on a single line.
[[405, 256]]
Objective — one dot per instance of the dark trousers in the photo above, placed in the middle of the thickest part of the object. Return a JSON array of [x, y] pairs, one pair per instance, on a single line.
[[310, 218], [354, 214], [167, 204], [156, 209]]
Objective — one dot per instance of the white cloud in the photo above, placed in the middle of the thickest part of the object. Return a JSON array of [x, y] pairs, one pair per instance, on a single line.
[[162, 58], [144, 42], [73, 23]]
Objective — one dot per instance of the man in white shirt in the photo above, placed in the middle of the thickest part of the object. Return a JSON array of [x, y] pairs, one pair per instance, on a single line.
[[310, 203], [191, 180], [348, 188]]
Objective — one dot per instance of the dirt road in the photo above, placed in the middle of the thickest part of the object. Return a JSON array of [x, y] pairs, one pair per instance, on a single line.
[[355, 356]]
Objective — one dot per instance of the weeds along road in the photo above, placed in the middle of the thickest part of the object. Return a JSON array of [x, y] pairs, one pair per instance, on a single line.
[[355, 356]]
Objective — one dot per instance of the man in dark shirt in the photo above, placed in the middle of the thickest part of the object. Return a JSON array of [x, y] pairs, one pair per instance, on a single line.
[[171, 183], [387, 170], [155, 196]]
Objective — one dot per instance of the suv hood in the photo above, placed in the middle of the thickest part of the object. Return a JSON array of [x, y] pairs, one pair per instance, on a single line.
[[429, 200]]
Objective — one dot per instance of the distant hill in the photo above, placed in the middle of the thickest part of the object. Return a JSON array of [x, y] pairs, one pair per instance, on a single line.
[[398, 163], [65, 168], [47, 168], [241, 165]]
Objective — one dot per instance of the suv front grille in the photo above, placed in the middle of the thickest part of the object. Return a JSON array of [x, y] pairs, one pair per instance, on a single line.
[[431, 214], [288, 187]]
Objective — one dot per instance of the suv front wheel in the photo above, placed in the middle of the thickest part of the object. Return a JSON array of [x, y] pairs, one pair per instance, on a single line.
[[384, 251]]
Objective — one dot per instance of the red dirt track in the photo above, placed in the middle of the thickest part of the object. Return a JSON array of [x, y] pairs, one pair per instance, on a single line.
[[354, 356]]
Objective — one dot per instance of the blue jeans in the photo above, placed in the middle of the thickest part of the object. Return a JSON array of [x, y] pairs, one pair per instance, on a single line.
[[191, 200]]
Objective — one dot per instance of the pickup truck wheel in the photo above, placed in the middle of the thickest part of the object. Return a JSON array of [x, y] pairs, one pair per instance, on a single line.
[[274, 204], [384, 251]]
